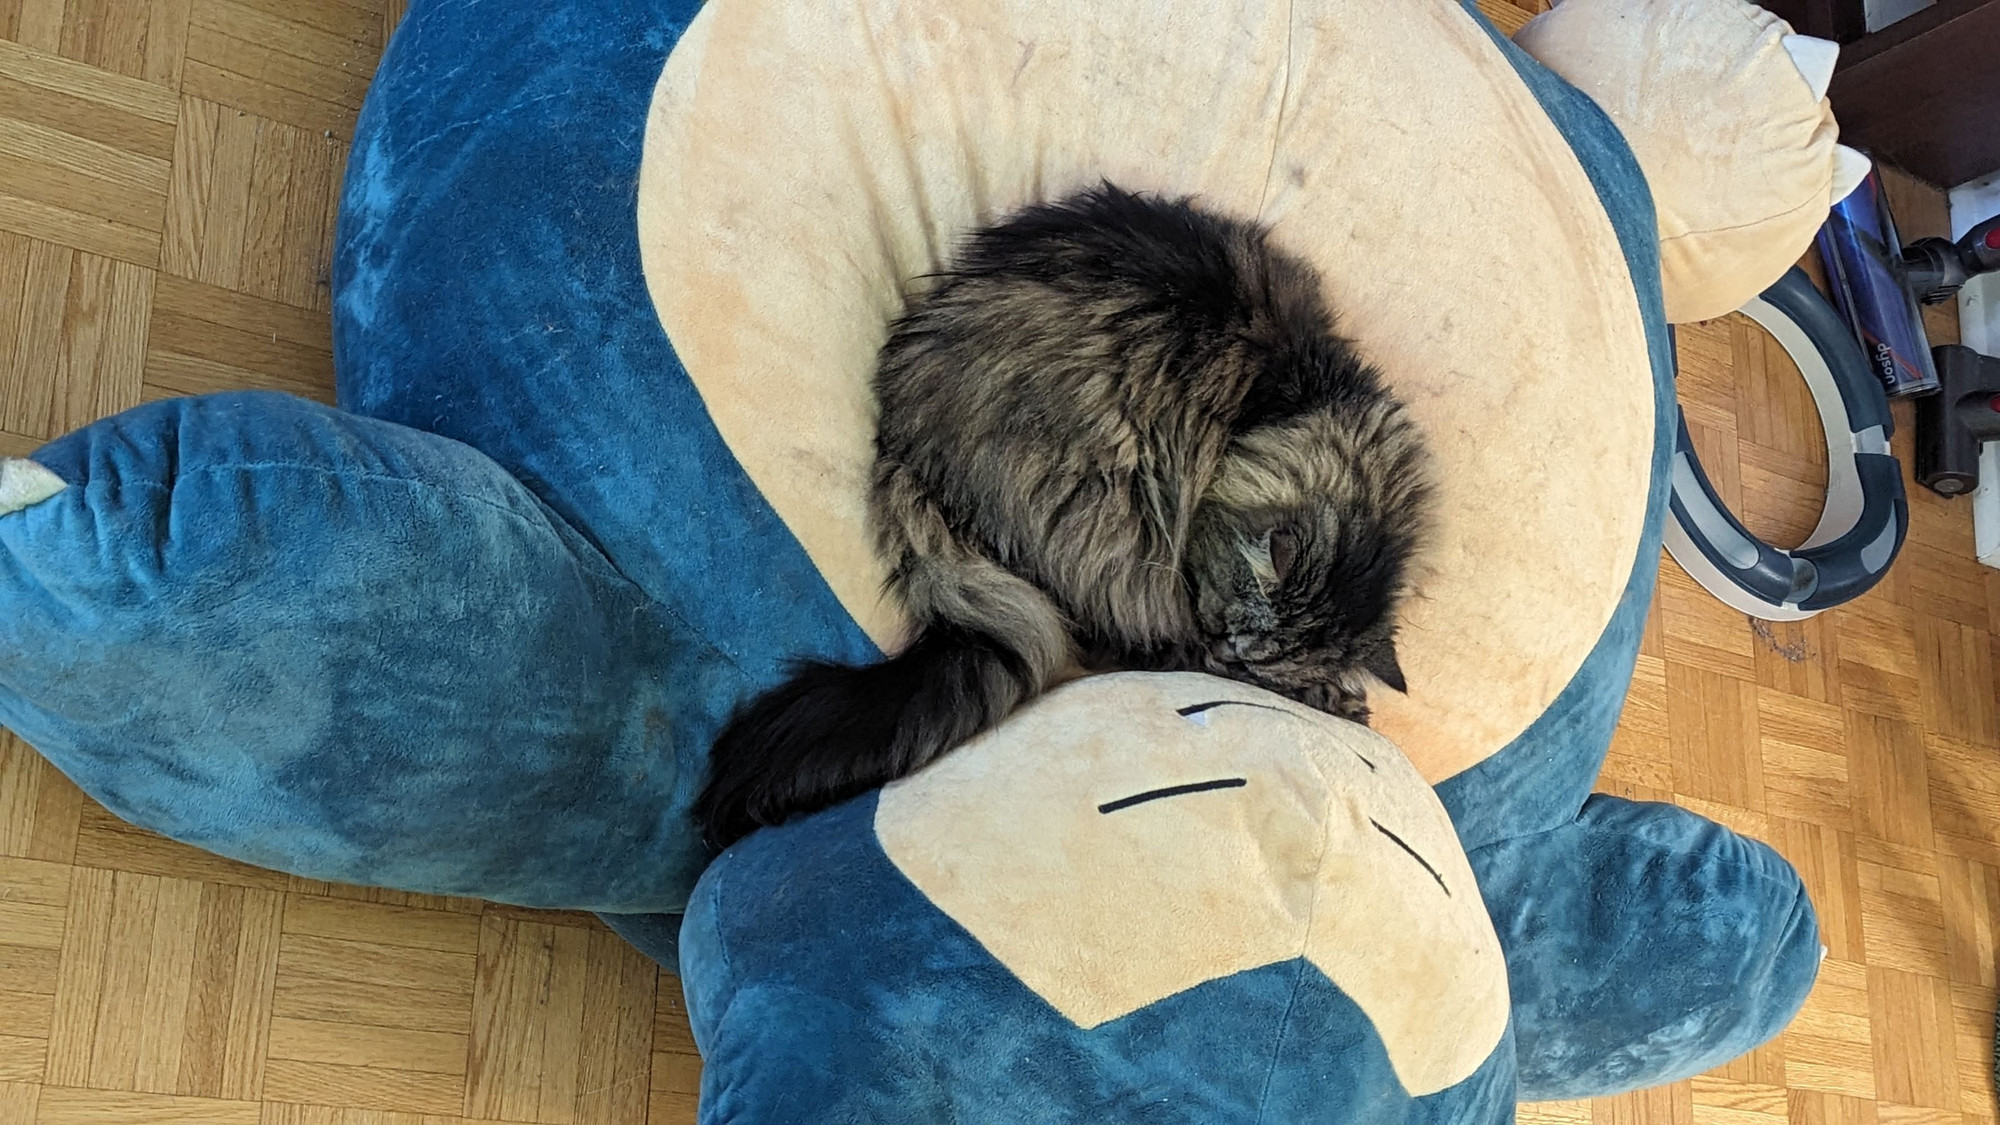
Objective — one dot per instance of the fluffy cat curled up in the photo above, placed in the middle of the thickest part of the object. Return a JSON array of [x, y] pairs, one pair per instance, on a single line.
[[1118, 432]]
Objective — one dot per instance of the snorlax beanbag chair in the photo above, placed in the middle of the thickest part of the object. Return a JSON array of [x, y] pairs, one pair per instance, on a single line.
[[609, 281]]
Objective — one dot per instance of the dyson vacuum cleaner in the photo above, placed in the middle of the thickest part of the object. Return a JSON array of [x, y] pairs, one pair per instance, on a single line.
[[1854, 360], [1879, 285]]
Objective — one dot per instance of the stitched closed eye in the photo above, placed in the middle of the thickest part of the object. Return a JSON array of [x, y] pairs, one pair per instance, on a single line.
[[1172, 791], [1398, 841], [1193, 709]]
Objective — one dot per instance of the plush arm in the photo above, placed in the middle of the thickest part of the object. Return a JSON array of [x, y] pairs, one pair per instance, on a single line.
[[1644, 944], [349, 650]]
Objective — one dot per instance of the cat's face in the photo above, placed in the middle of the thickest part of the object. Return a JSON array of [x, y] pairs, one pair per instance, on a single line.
[[1300, 554]]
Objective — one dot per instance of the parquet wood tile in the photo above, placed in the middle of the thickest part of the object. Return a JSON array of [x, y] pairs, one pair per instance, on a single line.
[[1802, 743], [1810, 1107], [273, 65], [1763, 1067], [1946, 584], [1799, 658], [1664, 1105], [1779, 504], [205, 338], [1970, 893], [562, 1025], [1957, 684], [1730, 1101], [253, 205], [78, 329], [86, 155], [39, 807], [169, 172], [1916, 1045], [144, 39], [103, 841], [1889, 771], [1830, 1047], [1712, 727], [66, 1106], [1699, 632], [1641, 752], [1972, 1018], [1902, 917], [1828, 860]]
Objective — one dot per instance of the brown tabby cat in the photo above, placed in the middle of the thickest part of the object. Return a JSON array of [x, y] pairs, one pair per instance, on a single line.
[[1118, 432]]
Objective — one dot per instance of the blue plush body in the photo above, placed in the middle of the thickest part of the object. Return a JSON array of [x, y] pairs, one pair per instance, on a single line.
[[473, 632], [1644, 944], [955, 1033]]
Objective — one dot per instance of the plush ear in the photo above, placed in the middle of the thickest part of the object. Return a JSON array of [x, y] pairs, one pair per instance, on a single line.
[[1263, 567], [1384, 666], [1815, 59], [349, 650], [1849, 169]]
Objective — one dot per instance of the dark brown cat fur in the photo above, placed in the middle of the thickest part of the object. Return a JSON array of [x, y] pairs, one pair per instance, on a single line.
[[1117, 432]]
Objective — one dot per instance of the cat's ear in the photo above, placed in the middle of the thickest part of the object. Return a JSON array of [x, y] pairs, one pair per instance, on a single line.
[[1284, 549], [1257, 553], [1382, 663]]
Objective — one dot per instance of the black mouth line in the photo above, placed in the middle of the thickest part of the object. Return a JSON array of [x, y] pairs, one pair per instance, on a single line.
[[1172, 791], [1197, 708], [1398, 840]]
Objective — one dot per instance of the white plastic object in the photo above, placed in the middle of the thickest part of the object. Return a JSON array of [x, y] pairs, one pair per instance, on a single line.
[[1979, 329], [1986, 507]]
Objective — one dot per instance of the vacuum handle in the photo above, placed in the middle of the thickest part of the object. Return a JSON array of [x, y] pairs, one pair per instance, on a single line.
[[1980, 248], [1934, 269]]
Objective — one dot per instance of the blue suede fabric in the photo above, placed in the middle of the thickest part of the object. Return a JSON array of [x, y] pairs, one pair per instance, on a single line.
[[354, 651], [826, 989], [1645, 944], [473, 633], [487, 288]]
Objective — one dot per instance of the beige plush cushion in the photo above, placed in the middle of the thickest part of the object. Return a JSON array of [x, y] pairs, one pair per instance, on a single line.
[[1736, 144], [805, 162], [1331, 848]]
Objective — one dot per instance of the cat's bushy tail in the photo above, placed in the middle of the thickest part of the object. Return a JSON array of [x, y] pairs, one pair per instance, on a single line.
[[986, 642]]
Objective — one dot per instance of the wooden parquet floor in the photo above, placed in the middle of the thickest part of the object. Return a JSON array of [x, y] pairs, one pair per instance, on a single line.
[[168, 174]]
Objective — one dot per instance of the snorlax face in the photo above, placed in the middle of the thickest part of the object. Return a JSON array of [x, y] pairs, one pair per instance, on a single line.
[[1132, 836]]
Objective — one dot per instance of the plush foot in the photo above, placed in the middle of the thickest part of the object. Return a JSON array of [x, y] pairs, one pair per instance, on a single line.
[[24, 483]]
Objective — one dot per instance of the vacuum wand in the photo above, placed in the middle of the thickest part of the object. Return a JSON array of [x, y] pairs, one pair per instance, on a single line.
[[1956, 422]]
